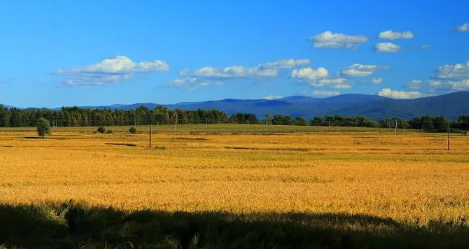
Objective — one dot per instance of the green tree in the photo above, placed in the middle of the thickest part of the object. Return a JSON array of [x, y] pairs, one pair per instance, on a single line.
[[427, 123], [4, 116], [440, 124], [317, 121], [300, 121], [463, 122], [43, 127]]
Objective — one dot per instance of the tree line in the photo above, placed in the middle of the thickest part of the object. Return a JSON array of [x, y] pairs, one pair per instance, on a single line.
[[75, 116]]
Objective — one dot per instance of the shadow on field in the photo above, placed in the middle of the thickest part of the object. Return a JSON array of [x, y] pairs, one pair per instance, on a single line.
[[73, 225]]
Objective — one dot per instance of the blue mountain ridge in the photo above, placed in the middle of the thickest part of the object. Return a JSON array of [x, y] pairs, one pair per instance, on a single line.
[[450, 105]]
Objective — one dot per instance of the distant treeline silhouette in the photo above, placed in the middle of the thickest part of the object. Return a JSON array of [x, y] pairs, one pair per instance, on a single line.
[[75, 116]]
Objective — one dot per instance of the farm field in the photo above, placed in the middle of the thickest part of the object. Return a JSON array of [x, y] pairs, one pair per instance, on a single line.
[[366, 182]]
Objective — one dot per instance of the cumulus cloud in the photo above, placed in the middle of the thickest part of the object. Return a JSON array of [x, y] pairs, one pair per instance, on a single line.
[[386, 47], [113, 70], [415, 84], [325, 93], [451, 77], [272, 97], [231, 72], [454, 71], [362, 70], [461, 85], [387, 92], [377, 81], [269, 69], [120, 64], [391, 35], [285, 64], [336, 83], [208, 76], [192, 83], [87, 79], [463, 28], [328, 39], [319, 78], [450, 85], [309, 73]]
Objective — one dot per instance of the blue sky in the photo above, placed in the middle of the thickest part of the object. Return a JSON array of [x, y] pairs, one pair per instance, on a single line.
[[62, 53]]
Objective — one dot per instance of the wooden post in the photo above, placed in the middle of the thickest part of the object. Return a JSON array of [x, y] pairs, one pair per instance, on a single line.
[[395, 129]]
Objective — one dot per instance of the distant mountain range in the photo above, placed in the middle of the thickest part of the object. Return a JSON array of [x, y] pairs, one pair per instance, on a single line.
[[450, 105]]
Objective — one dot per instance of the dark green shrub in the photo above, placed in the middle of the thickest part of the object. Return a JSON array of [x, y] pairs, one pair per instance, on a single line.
[[133, 130], [43, 127], [101, 129]]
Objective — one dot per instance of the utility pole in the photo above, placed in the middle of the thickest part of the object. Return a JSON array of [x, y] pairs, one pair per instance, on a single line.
[[149, 142], [175, 125], [448, 137]]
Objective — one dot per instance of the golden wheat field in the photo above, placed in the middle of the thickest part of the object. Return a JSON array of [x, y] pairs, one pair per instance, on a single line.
[[408, 177]]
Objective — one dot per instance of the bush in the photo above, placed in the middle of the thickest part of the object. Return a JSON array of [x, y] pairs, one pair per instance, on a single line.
[[43, 127], [133, 130], [101, 129], [109, 131]]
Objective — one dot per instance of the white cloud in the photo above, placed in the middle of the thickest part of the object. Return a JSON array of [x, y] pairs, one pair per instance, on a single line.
[[309, 73], [285, 64], [325, 93], [391, 35], [425, 46], [192, 83], [460, 85], [207, 76], [387, 92], [88, 79], [451, 77], [328, 39], [415, 84], [231, 72], [463, 28], [319, 78], [386, 47], [455, 71], [108, 71], [272, 97], [435, 83], [377, 81], [120, 64], [336, 83], [362, 70], [450, 85]]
